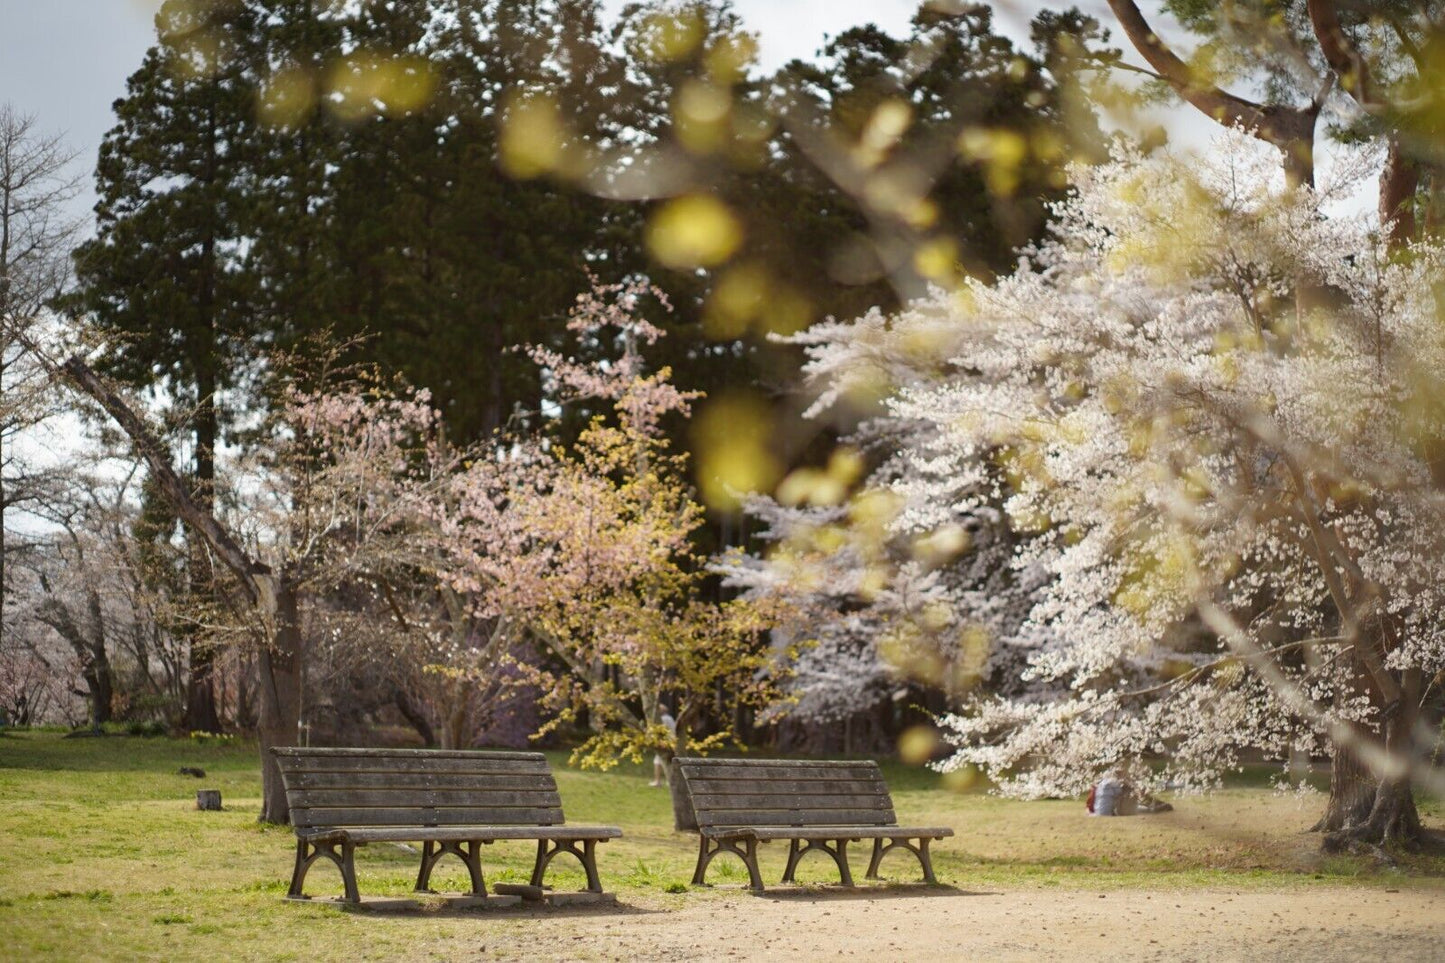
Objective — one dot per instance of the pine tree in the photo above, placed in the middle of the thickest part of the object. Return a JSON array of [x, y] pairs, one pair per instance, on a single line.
[[166, 274]]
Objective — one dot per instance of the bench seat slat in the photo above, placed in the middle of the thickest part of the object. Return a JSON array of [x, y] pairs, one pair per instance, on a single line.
[[796, 817], [416, 816], [825, 832], [788, 772], [702, 786], [433, 798], [416, 834], [720, 762], [351, 764], [344, 752], [778, 800], [419, 780]]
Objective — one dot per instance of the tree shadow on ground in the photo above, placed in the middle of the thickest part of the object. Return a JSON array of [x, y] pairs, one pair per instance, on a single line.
[[834, 892], [460, 907]]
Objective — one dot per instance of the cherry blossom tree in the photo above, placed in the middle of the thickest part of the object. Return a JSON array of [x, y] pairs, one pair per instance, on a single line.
[[1234, 494], [329, 490], [587, 545]]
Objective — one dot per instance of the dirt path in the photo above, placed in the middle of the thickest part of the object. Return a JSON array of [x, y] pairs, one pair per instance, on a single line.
[[1317, 925]]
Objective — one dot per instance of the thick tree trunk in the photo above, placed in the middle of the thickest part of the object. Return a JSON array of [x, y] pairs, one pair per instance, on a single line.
[[280, 683], [1399, 181], [1352, 792], [101, 691], [201, 714], [1377, 811]]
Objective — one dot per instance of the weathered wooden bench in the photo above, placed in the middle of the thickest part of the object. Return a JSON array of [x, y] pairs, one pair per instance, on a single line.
[[734, 804], [449, 801]]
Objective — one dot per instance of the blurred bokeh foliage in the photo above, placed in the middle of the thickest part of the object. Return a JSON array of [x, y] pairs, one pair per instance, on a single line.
[[443, 176]]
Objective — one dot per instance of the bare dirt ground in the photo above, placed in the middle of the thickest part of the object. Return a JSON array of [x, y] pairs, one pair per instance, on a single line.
[[1313, 924]]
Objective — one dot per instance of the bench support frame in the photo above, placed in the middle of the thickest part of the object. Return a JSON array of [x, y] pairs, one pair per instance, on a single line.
[[839, 851], [468, 851], [339, 851], [748, 853], [920, 850], [587, 856]]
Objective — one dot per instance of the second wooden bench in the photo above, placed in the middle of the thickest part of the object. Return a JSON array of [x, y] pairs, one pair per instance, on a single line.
[[734, 804]]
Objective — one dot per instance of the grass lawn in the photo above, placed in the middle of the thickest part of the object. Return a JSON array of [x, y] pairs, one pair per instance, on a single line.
[[106, 856]]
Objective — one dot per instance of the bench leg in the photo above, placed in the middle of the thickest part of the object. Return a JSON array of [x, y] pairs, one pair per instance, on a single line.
[[587, 856], [840, 856], [755, 878], [589, 863], [423, 875], [348, 871], [926, 861], [877, 859], [307, 853], [699, 873], [795, 853], [748, 854], [298, 874]]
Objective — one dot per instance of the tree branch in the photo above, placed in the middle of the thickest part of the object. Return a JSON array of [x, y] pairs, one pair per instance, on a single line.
[[248, 570]]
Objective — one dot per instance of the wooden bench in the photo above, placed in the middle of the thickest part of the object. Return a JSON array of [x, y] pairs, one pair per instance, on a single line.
[[449, 801], [734, 804]]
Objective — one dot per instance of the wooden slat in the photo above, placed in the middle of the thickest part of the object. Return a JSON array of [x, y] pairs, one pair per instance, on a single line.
[[830, 832], [787, 817], [412, 816], [537, 782], [789, 801], [480, 766], [443, 833], [469, 798], [341, 752], [850, 771], [704, 762], [721, 787]]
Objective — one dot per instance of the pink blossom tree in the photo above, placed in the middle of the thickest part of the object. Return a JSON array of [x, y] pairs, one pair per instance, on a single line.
[[587, 545]]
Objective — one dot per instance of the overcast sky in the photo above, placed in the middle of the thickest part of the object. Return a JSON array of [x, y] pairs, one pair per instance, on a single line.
[[66, 61]]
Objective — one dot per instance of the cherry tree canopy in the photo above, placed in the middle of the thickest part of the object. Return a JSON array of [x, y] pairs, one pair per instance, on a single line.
[[1211, 415]]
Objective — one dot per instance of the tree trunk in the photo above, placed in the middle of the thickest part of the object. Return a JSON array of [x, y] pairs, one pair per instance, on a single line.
[[1378, 811], [201, 712], [1352, 792], [280, 683], [414, 715], [1399, 180], [98, 682]]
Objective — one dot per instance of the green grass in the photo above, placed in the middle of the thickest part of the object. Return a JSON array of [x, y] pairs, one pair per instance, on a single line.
[[106, 856]]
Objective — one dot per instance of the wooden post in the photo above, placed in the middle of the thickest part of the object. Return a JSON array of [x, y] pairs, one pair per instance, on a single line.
[[208, 799]]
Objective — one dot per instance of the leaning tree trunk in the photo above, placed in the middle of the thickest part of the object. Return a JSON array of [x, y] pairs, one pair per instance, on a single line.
[[272, 596], [279, 669]]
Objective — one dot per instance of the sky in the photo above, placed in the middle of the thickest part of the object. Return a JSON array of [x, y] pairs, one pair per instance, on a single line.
[[66, 61]]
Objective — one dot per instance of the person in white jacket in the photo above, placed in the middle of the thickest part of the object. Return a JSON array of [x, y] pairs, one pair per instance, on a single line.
[[659, 761]]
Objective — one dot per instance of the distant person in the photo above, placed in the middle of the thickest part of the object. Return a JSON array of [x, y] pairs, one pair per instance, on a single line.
[[661, 759], [1114, 795]]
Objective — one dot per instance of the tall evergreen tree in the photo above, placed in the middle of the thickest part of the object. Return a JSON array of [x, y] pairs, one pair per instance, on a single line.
[[166, 273]]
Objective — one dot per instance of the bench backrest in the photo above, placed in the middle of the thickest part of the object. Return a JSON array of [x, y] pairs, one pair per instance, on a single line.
[[778, 792], [418, 787]]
